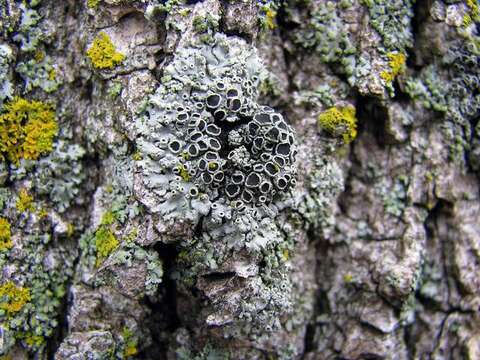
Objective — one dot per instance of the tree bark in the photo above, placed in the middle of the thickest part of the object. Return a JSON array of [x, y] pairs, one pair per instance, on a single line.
[[239, 179]]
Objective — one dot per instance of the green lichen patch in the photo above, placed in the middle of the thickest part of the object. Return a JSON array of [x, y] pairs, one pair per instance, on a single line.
[[39, 72], [27, 129], [325, 35], [103, 54], [202, 24], [340, 121]]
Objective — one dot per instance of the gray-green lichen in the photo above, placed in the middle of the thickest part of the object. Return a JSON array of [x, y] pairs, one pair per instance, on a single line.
[[6, 88], [209, 152]]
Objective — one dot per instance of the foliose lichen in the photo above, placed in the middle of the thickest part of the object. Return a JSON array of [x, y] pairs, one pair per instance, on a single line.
[[340, 121], [103, 54], [6, 87], [13, 298], [39, 72], [396, 63], [392, 20], [92, 4], [325, 35], [28, 33], [24, 201], [212, 157], [27, 129], [5, 234], [105, 243], [205, 142]]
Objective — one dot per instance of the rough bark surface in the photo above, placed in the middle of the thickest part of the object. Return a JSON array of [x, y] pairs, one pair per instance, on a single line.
[[117, 243]]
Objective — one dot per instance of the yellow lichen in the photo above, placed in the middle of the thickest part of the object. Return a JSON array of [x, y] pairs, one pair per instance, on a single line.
[[39, 56], [13, 298], [270, 18], [340, 122], [472, 14], [42, 213], [108, 218], [92, 4], [184, 12], [105, 243], [132, 235], [103, 54], [212, 165], [70, 229], [27, 129], [34, 340], [473, 6], [130, 348], [185, 155], [183, 173], [25, 201], [137, 156], [348, 278], [5, 234], [396, 64], [52, 74]]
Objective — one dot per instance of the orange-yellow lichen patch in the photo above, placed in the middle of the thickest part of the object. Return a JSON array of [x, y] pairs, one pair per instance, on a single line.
[[340, 121], [13, 298], [5, 234], [396, 63], [27, 129], [103, 54]]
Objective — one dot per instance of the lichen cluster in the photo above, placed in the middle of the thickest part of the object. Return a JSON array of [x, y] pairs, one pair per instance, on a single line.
[[27, 129], [24, 201], [103, 54], [325, 35], [105, 243], [329, 34], [207, 145], [340, 121], [396, 63], [455, 98], [5, 234], [13, 298], [211, 155], [40, 177]]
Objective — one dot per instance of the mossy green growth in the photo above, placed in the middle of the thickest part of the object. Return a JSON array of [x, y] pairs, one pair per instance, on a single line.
[[27, 129], [103, 54], [105, 243], [5, 234], [24, 201], [340, 121], [13, 298]]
